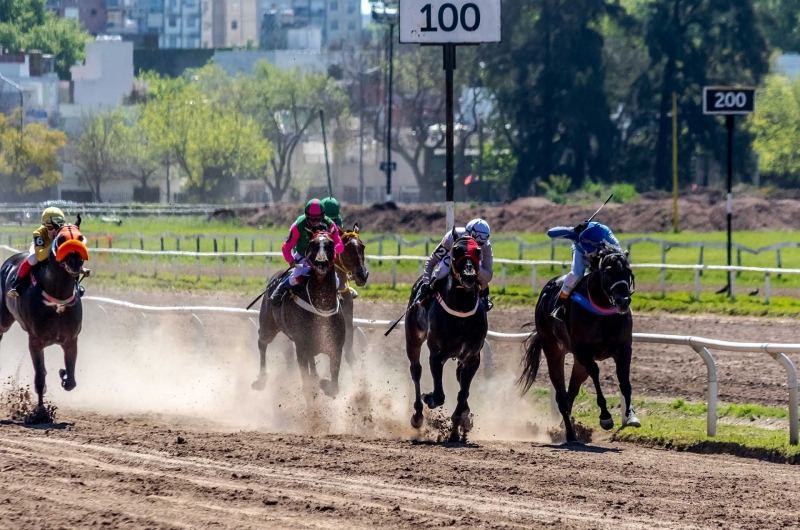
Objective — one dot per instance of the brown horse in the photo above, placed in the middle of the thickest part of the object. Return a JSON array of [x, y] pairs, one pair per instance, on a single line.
[[48, 309], [350, 265], [313, 319]]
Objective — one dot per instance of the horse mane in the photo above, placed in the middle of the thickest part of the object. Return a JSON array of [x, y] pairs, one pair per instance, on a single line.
[[607, 250]]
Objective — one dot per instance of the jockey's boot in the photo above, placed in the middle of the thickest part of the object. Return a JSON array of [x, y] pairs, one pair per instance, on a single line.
[[353, 293], [81, 290], [16, 283], [280, 291], [560, 306], [487, 303]]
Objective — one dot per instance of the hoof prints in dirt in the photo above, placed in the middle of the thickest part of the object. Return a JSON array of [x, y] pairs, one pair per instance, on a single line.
[[437, 426], [17, 405]]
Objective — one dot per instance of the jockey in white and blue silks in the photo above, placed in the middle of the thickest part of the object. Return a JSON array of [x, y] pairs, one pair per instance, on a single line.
[[587, 239]]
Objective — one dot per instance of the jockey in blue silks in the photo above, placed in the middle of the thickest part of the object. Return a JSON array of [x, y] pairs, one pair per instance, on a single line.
[[587, 239]]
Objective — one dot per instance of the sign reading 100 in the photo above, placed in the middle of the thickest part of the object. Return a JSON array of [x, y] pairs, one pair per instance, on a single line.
[[449, 17], [450, 21]]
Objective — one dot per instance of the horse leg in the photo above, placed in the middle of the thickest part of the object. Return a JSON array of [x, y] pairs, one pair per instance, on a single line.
[[587, 359], [436, 399], [331, 387], [465, 372], [67, 375], [413, 352], [623, 360], [36, 348], [555, 366], [578, 377], [266, 334], [347, 312]]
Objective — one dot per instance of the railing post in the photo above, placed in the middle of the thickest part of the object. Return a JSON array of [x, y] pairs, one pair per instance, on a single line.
[[767, 288], [779, 260], [197, 264], [533, 280], [155, 265], [711, 370], [738, 261], [394, 273], [732, 277], [519, 253], [219, 269], [215, 244], [197, 243], [503, 278], [552, 253], [791, 376], [236, 244], [175, 265], [241, 268], [697, 284], [252, 244], [700, 259], [663, 282], [162, 244]]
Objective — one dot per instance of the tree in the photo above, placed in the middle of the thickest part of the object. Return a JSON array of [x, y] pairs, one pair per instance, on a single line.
[[548, 79], [780, 20], [776, 128], [285, 104], [692, 44], [29, 161], [209, 139], [28, 25], [99, 152], [143, 157]]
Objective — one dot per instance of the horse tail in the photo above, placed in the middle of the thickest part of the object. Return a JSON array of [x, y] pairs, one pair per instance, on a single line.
[[530, 362]]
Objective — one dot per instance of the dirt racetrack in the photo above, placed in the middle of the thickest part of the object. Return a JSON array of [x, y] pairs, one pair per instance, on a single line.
[[163, 431]]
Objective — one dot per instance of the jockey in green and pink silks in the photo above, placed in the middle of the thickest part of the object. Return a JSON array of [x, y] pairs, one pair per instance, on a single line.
[[312, 221]]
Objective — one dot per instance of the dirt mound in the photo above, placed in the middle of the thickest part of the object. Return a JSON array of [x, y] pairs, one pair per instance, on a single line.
[[700, 212]]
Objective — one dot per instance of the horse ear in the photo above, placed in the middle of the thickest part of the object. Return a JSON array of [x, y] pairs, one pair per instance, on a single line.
[[355, 228], [455, 234], [78, 221]]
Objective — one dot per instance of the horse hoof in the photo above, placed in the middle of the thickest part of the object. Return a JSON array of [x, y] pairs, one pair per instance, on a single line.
[[38, 416], [416, 420], [632, 421], [574, 443], [328, 388], [454, 438], [466, 422], [430, 401], [607, 424], [260, 383]]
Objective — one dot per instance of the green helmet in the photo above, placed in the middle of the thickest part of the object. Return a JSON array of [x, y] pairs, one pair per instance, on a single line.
[[314, 208], [331, 206]]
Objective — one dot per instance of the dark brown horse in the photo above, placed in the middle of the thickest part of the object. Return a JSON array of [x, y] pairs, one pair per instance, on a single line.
[[455, 328], [350, 265], [48, 309], [313, 319], [598, 326]]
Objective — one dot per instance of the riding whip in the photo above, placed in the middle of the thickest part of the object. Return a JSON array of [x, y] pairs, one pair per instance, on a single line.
[[263, 293], [396, 322], [598, 210], [325, 145]]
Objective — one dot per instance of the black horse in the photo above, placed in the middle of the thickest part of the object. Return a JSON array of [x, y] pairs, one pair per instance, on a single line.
[[455, 327], [48, 309], [313, 320], [350, 265], [598, 325]]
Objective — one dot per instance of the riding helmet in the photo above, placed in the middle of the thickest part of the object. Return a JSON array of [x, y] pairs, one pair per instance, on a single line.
[[53, 217], [331, 207], [314, 208], [478, 229], [594, 234]]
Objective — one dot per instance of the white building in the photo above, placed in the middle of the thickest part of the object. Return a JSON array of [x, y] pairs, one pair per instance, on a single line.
[[34, 76], [106, 76]]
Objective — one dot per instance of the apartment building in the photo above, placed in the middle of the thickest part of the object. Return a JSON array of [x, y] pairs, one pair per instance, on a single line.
[[230, 24], [339, 20], [91, 14]]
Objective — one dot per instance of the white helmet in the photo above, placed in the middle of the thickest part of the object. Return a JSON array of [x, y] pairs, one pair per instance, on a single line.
[[478, 229]]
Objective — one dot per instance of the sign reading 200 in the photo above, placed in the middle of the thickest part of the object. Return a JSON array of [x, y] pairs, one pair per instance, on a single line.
[[449, 17]]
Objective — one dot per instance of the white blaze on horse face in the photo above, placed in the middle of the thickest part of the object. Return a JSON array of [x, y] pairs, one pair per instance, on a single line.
[[321, 256]]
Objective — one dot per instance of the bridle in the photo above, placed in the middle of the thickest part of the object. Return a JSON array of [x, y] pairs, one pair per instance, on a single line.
[[337, 262], [607, 292]]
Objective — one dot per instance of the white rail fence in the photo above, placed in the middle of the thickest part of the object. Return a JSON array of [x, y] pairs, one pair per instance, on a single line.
[[223, 270], [698, 344]]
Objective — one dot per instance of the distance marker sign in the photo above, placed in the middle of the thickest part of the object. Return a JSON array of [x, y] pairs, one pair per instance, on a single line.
[[728, 101], [449, 21]]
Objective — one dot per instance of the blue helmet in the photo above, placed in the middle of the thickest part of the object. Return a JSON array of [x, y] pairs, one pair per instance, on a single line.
[[594, 235]]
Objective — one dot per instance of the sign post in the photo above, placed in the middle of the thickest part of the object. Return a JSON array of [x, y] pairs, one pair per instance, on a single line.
[[449, 23], [728, 102]]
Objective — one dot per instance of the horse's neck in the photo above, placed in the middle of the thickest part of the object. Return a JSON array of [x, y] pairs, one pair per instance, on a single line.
[[458, 298], [340, 274], [322, 295], [593, 286], [55, 280]]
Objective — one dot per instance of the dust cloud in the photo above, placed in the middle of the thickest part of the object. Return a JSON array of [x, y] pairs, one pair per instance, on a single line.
[[176, 365]]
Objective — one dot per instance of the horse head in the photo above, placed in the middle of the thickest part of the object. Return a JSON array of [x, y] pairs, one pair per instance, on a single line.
[[69, 249], [465, 259], [352, 259], [320, 253], [618, 281]]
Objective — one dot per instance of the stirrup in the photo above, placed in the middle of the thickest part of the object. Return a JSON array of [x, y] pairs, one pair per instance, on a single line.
[[487, 303], [12, 293], [353, 293], [558, 313]]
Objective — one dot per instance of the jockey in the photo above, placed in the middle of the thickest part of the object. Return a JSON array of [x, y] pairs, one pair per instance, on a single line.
[[587, 239], [331, 207], [294, 249], [478, 229], [52, 221]]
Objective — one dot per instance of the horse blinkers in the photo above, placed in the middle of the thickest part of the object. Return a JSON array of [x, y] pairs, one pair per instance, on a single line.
[[465, 258]]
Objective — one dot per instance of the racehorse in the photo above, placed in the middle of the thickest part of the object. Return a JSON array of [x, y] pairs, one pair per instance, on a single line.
[[455, 327], [350, 265], [598, 325], [313, 319], [48, 309]]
